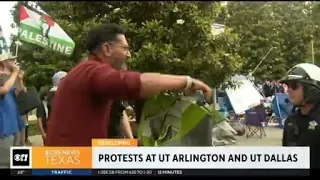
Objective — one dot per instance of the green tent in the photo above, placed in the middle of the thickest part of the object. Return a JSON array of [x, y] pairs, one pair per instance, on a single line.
[[168, 120]]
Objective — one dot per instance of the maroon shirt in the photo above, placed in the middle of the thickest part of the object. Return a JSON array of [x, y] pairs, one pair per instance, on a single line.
[[82, 103]]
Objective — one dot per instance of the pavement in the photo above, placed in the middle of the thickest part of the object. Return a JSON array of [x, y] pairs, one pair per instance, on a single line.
[[36, 140], [32, 118], [273, 138]]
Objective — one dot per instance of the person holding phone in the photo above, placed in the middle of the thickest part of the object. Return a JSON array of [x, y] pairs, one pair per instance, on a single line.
[[10, 122]]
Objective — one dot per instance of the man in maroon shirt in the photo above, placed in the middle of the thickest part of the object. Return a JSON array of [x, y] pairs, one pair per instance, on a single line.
[[82, 103]]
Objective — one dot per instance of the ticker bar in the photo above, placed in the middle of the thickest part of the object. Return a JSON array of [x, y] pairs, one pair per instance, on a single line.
[[199, 172], [160, 172]]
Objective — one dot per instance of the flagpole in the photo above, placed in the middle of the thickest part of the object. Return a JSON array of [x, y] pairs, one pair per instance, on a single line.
[[17, 42], [261, 61], [17, 48]]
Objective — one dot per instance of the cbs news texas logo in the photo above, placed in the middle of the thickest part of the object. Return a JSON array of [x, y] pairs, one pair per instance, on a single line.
[[20, 157]]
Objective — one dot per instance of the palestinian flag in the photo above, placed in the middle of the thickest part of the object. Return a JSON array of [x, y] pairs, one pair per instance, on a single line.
[[3, 44], [37, 27]]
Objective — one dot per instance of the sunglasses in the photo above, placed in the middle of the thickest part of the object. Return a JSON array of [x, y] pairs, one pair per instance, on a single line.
[[293, 85]]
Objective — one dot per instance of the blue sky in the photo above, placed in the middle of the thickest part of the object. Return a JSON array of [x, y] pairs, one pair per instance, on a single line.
[[6, 19]]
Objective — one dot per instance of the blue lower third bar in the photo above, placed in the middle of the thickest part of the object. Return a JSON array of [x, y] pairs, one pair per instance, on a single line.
[[61, 172]]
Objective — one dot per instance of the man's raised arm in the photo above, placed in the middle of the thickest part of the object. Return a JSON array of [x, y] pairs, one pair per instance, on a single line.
[[131, 85]]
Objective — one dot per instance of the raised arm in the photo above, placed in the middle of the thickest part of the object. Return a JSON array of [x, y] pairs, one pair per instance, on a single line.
[[20, 85], [9, 83], [132, 85]]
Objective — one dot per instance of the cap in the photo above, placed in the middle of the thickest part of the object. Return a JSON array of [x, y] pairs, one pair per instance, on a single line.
[[7, 56]]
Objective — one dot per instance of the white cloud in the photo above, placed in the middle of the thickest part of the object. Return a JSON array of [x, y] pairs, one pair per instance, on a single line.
[[6, 19]]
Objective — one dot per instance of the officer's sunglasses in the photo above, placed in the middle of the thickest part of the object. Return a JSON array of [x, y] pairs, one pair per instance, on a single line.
[[293, 85]]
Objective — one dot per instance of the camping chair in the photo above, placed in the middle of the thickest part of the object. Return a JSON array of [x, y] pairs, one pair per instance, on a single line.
[[272, 119], [255, 121]]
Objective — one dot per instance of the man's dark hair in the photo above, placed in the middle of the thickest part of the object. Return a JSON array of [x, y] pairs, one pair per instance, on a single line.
[[101, 34]]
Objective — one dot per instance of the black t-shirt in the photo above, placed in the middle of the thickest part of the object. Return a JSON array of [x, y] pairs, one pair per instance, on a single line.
[[50, 100], [41, 110], [138, 107], [41, 113], [267, 90], [115, 130]]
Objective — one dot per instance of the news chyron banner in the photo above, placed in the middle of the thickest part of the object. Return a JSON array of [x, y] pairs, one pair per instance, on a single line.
[[116, 157]]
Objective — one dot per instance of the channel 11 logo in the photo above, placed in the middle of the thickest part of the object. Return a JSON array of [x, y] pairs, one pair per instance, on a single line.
[[20, 157]]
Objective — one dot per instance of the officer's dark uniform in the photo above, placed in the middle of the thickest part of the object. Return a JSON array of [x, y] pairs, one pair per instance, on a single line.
[[304, 130]]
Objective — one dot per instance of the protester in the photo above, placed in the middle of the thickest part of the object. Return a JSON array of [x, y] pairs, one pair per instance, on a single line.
[[285, 88], [21, 137], [119, 126], [43, 113], [57, 77], [27, 141], [278, 87], [126, 126], [82, 103], [9, 114], [302, 127], [267, 89]]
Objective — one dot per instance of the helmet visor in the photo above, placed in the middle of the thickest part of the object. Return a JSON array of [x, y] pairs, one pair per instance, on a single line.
[[291, 77]]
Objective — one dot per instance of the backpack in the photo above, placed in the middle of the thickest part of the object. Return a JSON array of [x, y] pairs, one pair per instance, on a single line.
[[168, 120], [28, 100]]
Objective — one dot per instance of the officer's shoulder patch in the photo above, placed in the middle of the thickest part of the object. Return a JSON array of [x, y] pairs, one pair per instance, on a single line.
[[312, 125]]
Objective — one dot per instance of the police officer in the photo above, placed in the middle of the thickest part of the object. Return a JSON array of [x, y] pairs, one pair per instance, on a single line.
[[302, 127]]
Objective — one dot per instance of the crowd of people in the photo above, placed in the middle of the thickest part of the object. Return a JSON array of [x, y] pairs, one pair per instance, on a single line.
[[269, 88], [90, 101]]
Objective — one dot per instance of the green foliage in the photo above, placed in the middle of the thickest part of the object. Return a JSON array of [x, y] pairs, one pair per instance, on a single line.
[[287, 26], [315, 16], [174, 37], [159, 43], [166, 114]]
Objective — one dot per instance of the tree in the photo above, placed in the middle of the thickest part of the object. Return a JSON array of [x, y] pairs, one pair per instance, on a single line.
[[315, 9], [167, 37], [286, 26]]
